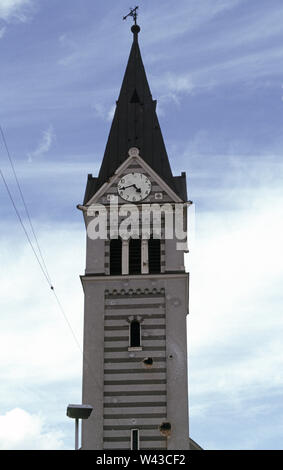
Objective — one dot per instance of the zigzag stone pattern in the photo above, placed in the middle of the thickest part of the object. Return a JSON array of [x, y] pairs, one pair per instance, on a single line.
[[134, 292]]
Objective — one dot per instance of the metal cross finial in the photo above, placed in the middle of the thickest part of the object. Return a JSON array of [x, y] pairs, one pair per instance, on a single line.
[[133, 13]]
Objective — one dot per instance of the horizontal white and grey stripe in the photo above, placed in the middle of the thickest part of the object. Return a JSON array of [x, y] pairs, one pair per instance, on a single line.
[[134, 395]]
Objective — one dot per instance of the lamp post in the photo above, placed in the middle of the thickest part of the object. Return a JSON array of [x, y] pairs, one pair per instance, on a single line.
[[78, 412]]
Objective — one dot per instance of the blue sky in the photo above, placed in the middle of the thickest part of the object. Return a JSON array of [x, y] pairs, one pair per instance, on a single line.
[[215, 68]]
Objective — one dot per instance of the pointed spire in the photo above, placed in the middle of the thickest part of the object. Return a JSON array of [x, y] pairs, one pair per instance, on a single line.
[[135, 123]]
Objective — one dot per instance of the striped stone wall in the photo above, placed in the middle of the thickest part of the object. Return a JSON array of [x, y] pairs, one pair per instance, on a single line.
[[134, 394]]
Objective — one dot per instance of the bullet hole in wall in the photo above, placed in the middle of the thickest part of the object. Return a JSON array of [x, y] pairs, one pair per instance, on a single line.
[[148, 361], [165, 428]]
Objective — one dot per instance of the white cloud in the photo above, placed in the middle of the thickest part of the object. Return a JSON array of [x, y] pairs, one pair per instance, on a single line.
[[247, 49], [32, 315], [257, 25], [40, 361], [174, 83], [236, 275], [44, 145], [235, 323], [174, 22], [14, 9], [246, 66], [236, 256], [171, 87], [103, 112], [111, 113], [20, 430]]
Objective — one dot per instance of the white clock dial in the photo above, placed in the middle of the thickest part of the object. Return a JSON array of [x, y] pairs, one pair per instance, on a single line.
[[134, 187]]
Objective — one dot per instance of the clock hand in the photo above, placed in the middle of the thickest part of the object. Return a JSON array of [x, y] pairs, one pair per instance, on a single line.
[[125, 187], [137, 189]]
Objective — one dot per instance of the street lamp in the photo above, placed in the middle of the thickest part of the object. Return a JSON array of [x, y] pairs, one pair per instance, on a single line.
[[78, 412]]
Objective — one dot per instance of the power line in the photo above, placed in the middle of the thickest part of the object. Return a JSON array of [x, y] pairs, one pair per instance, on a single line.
[[25, 206], [41, 262], [24, 229], [38, 260]]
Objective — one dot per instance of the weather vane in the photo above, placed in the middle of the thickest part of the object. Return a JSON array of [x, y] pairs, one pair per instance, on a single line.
[[133, 13]]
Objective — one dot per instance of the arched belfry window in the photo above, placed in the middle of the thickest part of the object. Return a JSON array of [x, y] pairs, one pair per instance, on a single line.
[[135, 256], [154, 256], [116, 257], [135, 334]]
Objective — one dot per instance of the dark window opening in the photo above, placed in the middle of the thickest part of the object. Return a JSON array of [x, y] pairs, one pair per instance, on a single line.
[[135, 334], [135, 256], [134, 439], [116, 257], [135, 97], [154, 256]]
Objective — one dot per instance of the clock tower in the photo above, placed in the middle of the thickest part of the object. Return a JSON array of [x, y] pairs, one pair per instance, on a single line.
[[135, 284]]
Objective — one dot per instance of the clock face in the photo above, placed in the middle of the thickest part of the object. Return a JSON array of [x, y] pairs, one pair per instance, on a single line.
[[134, 187]]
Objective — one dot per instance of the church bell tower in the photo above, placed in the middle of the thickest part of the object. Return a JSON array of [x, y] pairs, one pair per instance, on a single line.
[[135, 284]]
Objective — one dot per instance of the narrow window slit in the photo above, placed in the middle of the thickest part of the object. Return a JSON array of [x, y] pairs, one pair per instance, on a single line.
[[135, 445], [135, 334]]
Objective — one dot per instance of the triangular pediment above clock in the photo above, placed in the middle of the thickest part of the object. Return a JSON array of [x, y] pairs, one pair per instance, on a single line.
[[160, 191]]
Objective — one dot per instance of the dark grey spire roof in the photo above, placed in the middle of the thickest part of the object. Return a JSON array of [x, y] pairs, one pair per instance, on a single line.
[[135, 124]]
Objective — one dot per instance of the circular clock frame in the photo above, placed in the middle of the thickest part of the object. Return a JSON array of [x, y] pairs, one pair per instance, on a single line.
[[134, 187]]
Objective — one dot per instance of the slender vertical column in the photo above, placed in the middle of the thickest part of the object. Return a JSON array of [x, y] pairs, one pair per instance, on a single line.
[[125, 257], [144, 257]]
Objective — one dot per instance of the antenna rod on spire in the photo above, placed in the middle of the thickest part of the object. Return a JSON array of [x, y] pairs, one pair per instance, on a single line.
[[133, 13]]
